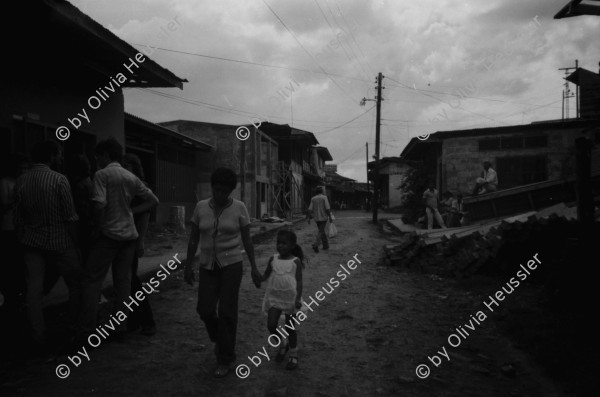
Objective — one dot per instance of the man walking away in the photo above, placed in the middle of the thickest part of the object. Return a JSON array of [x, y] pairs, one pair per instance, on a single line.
[[114, 241], [430, 197], [320, 210], [46, 224]]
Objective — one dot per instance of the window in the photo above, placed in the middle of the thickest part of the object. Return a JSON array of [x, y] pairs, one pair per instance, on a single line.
[[536, 141], [523, 170], [513, 142], [489, 144]]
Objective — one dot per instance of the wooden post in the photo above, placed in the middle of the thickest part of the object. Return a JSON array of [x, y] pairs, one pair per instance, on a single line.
[[377, 144], [585, 200]]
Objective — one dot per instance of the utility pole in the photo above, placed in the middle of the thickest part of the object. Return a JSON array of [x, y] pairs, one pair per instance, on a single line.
[[567, 94], [377, 143], [367, 165]]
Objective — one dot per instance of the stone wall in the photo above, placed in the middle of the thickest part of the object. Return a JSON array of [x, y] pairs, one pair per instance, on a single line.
[[462, 160]]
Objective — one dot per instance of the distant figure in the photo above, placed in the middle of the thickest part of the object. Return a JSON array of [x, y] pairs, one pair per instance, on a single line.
[[488, 182], [430, 197], [320, 210]]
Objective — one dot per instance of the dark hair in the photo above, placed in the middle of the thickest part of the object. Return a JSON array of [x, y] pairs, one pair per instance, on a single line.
[[112, 147], [319, 190], [297, 250], [225, 177], [11, 164], [79, 165], [135, 163], [42, 152]]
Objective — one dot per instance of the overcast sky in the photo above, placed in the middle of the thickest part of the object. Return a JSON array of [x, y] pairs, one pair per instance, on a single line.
[[447, 64]]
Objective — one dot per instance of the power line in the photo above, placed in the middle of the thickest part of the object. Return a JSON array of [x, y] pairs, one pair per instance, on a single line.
[[405, 86], [347, 122], [305, 50], [257, 63], [351, 49], [459, 107], [334, 33], [353, 39]]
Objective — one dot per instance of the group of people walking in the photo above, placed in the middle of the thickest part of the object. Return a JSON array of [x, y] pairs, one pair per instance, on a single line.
[[75, 228], [218, 224], [83, 226]]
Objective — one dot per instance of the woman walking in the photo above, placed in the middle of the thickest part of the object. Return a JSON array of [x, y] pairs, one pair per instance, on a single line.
[[217, 225]]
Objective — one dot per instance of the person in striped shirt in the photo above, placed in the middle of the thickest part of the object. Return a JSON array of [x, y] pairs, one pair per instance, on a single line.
[[46, 225]]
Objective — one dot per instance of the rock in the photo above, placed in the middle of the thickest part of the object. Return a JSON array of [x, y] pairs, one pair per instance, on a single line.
[[508, 370], [282, 392], [404, 379]]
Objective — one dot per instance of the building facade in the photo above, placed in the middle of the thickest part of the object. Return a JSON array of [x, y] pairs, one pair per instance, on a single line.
[[301, 167], [520, 154], [253, 159], [74, 79]]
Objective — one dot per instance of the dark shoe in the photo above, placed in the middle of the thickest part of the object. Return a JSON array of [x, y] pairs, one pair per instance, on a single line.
[[148, 330], [221, 371], [316, 248], [292, 363], [325, 248], [281, 354]]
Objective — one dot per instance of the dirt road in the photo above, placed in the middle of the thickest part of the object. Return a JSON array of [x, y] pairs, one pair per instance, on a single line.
[[365, 338]]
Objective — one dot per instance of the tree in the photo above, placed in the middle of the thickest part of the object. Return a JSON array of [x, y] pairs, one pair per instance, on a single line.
[[413, 186]]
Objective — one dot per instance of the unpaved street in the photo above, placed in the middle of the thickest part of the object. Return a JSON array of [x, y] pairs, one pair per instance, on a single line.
[[364, 339]]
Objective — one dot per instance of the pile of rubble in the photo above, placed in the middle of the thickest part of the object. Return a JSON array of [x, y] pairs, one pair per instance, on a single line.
[[466, 250]]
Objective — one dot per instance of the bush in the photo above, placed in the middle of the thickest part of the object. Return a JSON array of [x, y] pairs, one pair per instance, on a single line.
[[413, 186]]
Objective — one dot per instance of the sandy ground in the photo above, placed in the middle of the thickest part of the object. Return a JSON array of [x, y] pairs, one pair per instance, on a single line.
[[364, 339]]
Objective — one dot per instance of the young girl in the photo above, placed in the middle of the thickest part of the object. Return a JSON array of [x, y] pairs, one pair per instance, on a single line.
[[284, 292]]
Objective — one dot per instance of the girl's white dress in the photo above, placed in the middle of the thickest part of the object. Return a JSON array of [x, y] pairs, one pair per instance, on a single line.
[[281, 286]]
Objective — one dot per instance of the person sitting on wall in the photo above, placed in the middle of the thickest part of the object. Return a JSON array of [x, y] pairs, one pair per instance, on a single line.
[[488, 182]]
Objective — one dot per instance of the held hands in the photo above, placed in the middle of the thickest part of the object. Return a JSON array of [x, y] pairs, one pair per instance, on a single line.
[[298, 304], [188, 273], [256, 277]]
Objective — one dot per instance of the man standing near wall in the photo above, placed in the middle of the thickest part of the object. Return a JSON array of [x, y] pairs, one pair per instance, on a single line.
[[320, 210], [430, 197], [116, 236]]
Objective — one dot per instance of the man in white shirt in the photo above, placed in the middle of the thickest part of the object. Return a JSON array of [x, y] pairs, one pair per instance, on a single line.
[[488, 182], [320, 210]]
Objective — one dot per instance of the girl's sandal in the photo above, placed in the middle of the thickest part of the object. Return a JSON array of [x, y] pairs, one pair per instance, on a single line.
[[292, 363], [281, 353]]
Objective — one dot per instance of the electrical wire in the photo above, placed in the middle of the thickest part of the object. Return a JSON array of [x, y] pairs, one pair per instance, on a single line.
[[256, 63], [347, 122], [305, 50]]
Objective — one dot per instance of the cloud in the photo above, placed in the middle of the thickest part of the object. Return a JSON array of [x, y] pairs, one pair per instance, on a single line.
[[437, 47]]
